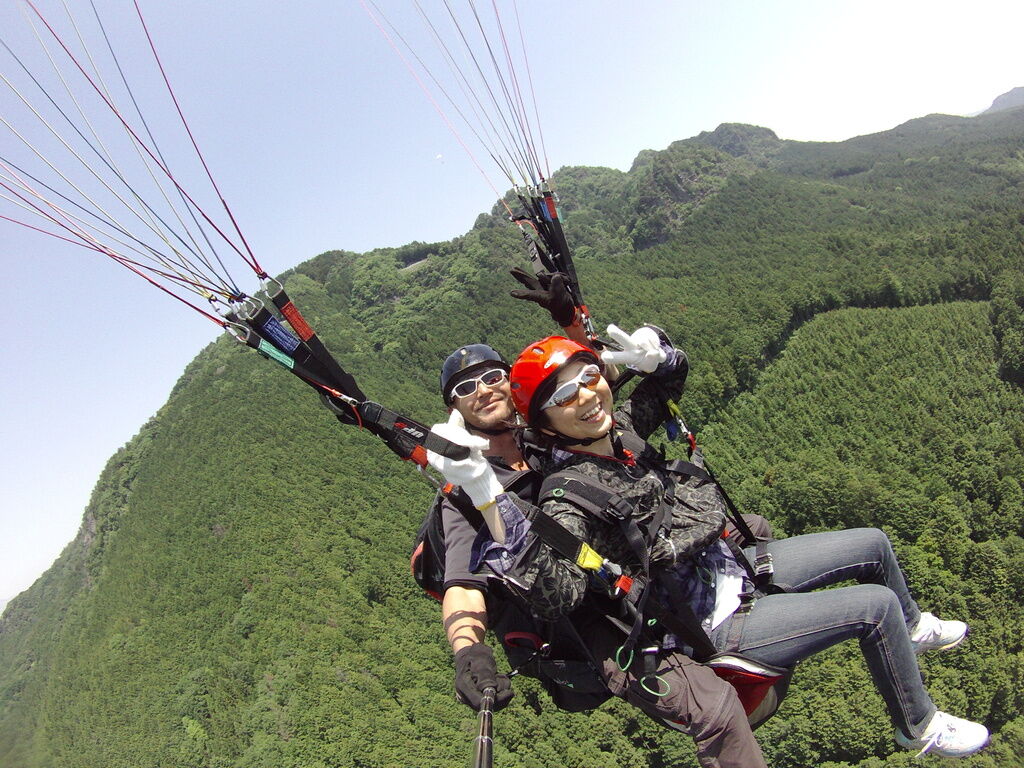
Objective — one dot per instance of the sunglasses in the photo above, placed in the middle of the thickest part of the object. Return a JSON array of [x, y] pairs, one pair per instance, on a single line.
[[491, 378], [568, 393]]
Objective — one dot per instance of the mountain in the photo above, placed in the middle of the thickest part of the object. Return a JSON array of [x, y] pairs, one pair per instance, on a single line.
[[1010, 100], [238, 593]]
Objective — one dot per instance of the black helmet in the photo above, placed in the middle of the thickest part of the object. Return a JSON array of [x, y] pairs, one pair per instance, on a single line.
[[471, 357]]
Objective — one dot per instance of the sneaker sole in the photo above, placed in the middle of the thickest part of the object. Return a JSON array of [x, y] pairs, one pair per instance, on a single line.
[[905, 743], [946, 647]]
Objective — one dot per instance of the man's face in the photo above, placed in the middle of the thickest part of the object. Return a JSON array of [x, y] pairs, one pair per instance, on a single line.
[[489, 406]]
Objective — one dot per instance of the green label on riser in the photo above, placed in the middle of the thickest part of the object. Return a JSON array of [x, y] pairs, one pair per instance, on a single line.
[[273, 352]]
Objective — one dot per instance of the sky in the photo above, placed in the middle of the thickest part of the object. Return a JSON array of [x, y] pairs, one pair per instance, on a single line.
[[319, 139]]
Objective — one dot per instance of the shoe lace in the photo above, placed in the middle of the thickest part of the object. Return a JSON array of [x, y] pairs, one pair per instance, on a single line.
[[927, 630], [947, 729]]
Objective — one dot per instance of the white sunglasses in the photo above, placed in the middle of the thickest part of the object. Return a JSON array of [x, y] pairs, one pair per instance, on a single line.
[[489, 378], [567, 394]]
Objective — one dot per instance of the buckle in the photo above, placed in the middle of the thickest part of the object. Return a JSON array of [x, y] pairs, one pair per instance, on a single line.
[[764, 565], [622, 586], [747, 600], [619, 583], [619, 508]]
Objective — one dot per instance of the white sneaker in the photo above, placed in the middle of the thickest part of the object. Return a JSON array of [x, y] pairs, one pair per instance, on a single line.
[[934, 634], [947, 736]]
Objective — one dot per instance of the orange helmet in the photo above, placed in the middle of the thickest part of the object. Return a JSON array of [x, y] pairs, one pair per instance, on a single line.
[[533, 372]]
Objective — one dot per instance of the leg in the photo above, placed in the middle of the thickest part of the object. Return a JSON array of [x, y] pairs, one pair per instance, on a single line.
[[696, 702], [783, 629], [821, 559], [701, 704]]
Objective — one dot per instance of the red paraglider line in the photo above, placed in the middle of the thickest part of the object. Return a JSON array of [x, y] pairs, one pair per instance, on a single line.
[[141, 143], [254, 264]]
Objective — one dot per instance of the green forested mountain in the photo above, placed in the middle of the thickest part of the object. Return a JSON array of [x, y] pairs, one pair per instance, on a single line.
[[238, 594]]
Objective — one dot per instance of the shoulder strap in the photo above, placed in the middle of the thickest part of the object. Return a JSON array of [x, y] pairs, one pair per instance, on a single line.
[[584, 492], [681, 468]]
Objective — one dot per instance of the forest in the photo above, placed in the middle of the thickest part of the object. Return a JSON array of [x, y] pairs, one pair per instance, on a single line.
[[239, 594]]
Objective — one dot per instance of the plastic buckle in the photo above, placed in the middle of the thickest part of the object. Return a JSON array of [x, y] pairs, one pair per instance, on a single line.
[[622, 586], [620, 509], [609, 572], [747, 600]]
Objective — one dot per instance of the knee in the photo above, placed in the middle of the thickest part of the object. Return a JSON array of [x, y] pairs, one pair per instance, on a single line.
[[877, 603], [874, 544], [872, 537], [879, 538], [725, 719], [759, 526], [878, 541]]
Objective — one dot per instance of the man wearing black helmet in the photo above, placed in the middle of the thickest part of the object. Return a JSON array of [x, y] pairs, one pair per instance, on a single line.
[[474, 383]]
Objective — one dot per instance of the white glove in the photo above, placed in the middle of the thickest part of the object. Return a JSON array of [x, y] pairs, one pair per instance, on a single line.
[[642, 350], [473, 474]]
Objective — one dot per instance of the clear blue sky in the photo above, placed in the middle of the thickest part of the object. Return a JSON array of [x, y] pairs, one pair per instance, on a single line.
[[319, 139]]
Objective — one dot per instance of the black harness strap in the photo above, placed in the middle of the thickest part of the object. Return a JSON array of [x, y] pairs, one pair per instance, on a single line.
[[342, 379], [687, 469], [762, 569], [604, 504], [683, 624], [268, 326], [310, 361], [410, 437], [579, 490], [555, 535], [734, 513]]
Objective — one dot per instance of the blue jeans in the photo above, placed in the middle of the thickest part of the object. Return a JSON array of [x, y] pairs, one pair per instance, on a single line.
[[783, 629]]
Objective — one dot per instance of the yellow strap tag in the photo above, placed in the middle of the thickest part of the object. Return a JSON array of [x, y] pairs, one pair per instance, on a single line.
[[588, 559]]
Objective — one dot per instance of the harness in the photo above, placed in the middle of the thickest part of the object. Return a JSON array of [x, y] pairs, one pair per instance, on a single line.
[[651, 626], [643, 618]]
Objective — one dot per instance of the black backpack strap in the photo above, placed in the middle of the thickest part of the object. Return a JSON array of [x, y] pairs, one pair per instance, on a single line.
[[682, 468], [578, 489], [427, 559], [734, 513], [595, 499]]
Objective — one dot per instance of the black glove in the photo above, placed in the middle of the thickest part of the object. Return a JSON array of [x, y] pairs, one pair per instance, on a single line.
[[475, 670], [549, 290]]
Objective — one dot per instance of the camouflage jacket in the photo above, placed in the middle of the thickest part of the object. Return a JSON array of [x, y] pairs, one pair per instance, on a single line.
[[555, 587]]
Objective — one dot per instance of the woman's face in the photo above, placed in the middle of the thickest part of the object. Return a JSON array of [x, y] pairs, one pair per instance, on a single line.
[[589, 414]]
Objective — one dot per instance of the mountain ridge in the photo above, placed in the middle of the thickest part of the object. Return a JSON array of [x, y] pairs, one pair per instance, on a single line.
[[1010, 100]]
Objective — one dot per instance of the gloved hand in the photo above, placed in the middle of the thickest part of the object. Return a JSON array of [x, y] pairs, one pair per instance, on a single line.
[[642, 350], [475, 670], [473, 474], [549, 290]]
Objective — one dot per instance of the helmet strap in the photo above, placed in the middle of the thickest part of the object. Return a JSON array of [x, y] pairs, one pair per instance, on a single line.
[[570, 442]]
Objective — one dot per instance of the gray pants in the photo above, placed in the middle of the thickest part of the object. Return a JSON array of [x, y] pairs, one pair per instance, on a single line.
[[786, 628], [696, 701]]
